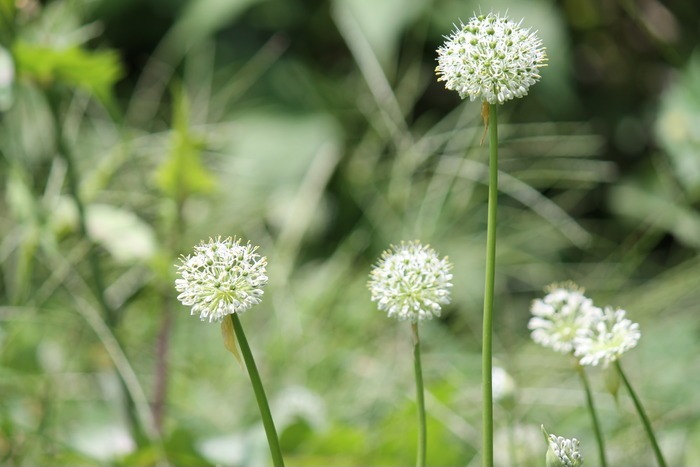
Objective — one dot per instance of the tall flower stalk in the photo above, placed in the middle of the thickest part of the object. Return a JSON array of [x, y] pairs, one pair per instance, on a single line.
[[411, 283], [225, 278], [643, 415], [600, 439], [495, 60], [420, 399]]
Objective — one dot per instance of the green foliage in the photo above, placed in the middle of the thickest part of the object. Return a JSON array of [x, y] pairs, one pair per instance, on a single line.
[[317, 130], [93, 71], [182, 173], [7, 20], [677, 127]]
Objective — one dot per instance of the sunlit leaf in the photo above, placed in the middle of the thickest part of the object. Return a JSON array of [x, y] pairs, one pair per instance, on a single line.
[[93, 71], [121, 232], [182, 174]]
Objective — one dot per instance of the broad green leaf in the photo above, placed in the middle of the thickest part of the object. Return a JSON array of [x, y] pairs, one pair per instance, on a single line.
[[93, 71], [121, 232], [381, 23], [182, 174], [127, 237]]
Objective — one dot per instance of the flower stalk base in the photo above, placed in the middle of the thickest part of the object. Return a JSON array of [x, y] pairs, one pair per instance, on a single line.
[[265, 414]]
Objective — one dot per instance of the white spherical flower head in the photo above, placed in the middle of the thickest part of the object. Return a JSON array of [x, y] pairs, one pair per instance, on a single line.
[[491, 58], [503, 385], [560, 316], [221, 277], [410, 282], [607, 338], [563, 452]]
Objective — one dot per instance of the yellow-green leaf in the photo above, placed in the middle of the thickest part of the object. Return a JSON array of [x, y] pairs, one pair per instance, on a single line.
[[94, 71], [230, 339], [182, 173]]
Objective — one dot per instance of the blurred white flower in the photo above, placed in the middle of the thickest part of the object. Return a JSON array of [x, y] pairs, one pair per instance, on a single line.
[[490, 57], [560, 316], [411, 282], [608, 337], [221, 277], [563, 452], [503, 385]]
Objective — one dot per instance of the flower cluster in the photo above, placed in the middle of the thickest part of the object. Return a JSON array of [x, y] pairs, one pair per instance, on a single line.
[[559, 316], [222, 277], [411, 282], [490, 57], [563, 452], [609, 336], [568, 322]]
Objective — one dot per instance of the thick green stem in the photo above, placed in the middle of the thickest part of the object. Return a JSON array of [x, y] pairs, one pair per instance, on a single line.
[[642, 414], [486, 352], [265, 413], [594, 417], [420, 399]]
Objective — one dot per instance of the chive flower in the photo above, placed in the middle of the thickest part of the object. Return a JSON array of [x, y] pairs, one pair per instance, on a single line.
[[560, 316], [609, 336], [222, 277], [563, 452], [411, 282], [492, 58]]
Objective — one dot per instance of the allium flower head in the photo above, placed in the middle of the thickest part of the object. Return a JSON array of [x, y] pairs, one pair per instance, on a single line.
[[221, 277], [562, 314], [491, 58], [563, 452], [607, 338], [411, 282]]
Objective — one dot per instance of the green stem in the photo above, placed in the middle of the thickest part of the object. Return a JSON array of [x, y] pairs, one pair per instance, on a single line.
[[594, 417], [265, 414], [486, 352], [65, 152], [96, 278], [420, 399], [642, 414]]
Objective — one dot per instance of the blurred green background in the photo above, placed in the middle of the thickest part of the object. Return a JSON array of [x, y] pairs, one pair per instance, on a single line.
[[317, 130]]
